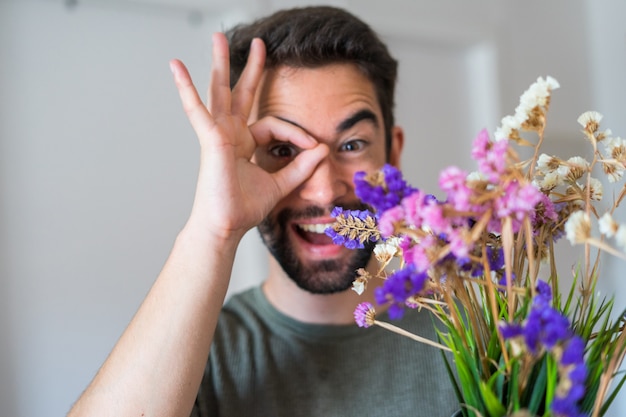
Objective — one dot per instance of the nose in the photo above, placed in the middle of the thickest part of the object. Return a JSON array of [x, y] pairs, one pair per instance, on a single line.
[[326, 185]]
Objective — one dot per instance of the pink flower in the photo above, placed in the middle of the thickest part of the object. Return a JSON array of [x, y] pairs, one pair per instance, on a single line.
[[413, 206], [518, 201], [389, 219], [491, 156], [416, 254], [452, 181], [433, 217]]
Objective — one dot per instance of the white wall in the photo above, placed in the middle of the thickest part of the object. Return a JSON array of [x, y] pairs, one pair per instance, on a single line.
[[98, 163]]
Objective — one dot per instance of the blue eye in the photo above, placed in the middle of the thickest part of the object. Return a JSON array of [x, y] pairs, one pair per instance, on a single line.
[[284, 150]]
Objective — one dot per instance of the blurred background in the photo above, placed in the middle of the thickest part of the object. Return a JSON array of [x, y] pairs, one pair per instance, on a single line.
[[98, 162]]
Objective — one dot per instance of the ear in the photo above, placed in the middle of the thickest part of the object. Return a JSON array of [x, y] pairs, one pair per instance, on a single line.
[[397, 143]]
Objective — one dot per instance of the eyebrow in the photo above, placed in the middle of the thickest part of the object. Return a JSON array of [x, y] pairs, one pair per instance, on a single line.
[[364, 114], [349, 122]]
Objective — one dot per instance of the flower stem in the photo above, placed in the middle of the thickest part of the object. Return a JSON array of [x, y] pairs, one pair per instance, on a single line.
[[415, 337]]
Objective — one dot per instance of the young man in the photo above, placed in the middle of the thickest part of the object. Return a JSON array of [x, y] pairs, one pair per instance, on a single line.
[[301, 102]]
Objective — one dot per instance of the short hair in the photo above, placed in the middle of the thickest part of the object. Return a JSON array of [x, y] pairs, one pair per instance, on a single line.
[[313, 37]]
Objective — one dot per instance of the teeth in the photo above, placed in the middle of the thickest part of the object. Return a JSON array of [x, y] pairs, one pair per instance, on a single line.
[[315, 228]]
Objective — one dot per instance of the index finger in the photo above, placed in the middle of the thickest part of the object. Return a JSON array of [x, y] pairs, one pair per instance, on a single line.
[[269, 128]]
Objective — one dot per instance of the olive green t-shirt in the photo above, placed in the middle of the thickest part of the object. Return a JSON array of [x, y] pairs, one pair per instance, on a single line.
[[263, 363]]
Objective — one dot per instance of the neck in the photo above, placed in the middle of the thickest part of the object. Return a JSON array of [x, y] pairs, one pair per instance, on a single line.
[[293, 301]]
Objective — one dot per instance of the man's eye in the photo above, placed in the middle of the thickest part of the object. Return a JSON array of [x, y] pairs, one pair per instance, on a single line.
[[353, 146], [284, 151]]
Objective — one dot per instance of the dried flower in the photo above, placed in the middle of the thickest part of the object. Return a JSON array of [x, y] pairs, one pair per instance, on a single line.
[[578, 227], [590, 121], [352, 228], [383, 189], [364, 314], [471, 259], [607, 226]]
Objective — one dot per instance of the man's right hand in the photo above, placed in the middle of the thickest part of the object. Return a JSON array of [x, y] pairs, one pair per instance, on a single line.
[[233, 193]]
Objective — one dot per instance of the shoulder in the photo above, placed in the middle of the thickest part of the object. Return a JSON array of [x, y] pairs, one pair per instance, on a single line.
[[241, 314]]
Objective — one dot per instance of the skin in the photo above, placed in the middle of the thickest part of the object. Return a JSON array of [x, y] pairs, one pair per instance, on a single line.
[[156, 367]]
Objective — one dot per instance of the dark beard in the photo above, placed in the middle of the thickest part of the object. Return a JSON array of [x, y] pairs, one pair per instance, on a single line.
[[320, 277]]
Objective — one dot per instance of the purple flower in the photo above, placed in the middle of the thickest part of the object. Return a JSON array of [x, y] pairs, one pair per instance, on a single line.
[[573, 352], [350, 228], [502, 280], [544, 213], [511, 330], [544, 294], [364, 314], [495, 257], [382, 193], [398, 287], [547, 328]]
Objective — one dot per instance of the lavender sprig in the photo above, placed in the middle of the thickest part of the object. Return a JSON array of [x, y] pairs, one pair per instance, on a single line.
[[382, 189], [352, 228], [546, 329]]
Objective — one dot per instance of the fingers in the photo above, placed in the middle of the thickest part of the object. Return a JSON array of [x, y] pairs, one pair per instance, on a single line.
[[192, 104], [289, 174], [245, 90], [219, 94], [270, 128], [300, 169]]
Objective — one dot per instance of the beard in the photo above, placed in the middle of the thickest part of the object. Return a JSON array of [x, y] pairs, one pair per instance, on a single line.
[[317, 277]]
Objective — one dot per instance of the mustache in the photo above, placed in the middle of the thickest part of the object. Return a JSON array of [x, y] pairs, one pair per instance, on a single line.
[[287, 214]]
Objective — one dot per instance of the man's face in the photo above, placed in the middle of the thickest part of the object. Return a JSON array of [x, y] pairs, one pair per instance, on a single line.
[[337, 105]]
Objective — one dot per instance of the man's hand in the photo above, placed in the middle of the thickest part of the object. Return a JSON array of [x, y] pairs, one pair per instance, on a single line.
[[234, 194]]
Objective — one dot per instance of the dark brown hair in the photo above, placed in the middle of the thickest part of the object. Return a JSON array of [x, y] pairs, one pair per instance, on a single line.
[[316, 36]]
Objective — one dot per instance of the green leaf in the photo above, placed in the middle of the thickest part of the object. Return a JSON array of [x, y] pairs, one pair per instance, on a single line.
[[538, 389], [494, 406]]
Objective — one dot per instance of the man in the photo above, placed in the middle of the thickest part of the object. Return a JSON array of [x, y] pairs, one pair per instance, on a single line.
[[305, 103]]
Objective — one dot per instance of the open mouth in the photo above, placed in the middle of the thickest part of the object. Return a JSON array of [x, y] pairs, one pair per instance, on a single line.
[[314, 233]]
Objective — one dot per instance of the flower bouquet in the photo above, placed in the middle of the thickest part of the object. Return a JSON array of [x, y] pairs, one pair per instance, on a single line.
[[482, 261]]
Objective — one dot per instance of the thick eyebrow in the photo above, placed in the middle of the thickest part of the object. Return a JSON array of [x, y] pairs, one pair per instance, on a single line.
[[364, 114], [350, 121]]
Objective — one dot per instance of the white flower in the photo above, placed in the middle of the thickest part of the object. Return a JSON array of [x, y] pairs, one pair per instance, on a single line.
[[576, 167], [616, 147], [611, 143], [476, 176], [613, 170], [578, 161], [358, 286], [384, 252], [552, 83], [620, 236], [547, 163], [589, 118], [607, 225], [509, 124], [537, 94], [596, 189], [578, 227], [551, 180]]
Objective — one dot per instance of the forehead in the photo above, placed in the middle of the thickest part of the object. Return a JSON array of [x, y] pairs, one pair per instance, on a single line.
[[316, 99]]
